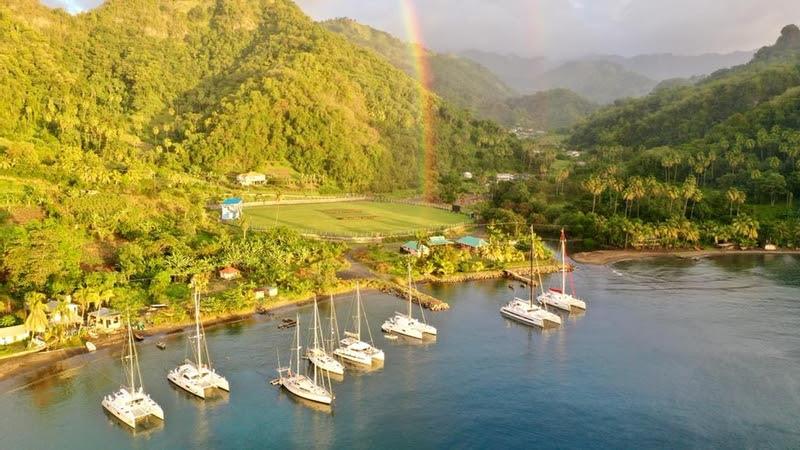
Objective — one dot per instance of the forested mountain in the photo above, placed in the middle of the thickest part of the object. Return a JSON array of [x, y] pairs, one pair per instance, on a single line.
[[221, 85], [598, 81], [725, 108], [547, 110], [665, 66], [519, 72], [460, 81], [602, 78]]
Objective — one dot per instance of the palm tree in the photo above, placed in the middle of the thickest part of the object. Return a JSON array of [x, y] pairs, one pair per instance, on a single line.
[[688, 191], [278, 198], [746, 228], [595, 186], [36, 322], [673, 193], [561, 176], [735, 197]]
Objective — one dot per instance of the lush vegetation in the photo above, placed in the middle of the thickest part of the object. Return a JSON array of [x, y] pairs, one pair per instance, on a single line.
[[547, 110], [713, 162], [460, 81], [118, 126]]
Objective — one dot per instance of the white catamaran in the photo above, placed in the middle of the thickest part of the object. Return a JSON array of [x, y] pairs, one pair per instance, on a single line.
[[352, 348], [558, 297], [526, 312], [130, 404], [301, 385], [198, 377], [405, 324], [317, 354]]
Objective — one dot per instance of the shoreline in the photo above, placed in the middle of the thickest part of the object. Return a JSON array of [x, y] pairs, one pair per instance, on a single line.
[[605, 257], [33, 362]]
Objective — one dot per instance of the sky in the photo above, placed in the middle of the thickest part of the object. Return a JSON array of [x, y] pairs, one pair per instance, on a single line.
[[566, 28]]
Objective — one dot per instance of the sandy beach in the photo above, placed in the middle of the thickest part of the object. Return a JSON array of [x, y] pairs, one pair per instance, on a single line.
[[601, 257]]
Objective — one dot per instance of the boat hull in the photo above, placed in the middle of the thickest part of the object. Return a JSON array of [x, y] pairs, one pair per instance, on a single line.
[[132, 409], [563, 302], [197, 383], [520, 311], [296, 386], [325, 363]]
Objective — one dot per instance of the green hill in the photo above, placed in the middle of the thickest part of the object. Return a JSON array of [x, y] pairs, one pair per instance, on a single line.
[[598, 81], [222, 86], [460, 81], [547, 110], [731, 102]]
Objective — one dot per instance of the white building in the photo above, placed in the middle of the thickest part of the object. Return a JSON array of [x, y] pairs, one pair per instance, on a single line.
[[56, 319], [10, 335], [506, 177], [251, 178]]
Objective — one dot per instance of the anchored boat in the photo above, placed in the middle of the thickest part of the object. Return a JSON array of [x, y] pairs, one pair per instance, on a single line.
[[352, 348], [198, 377], [405, 324], [317, 354], [131, 404], [301, 385], [559, 298], [526, 312]]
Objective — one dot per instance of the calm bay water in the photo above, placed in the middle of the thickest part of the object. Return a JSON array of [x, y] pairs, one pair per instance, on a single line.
[[672, 353]]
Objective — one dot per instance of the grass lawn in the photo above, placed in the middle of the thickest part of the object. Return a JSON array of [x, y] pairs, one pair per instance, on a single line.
[[354, 218]]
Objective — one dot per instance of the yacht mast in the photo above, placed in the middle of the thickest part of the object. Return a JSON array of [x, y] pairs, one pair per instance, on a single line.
[[196, 295], [297, 336], [530, 285], [358, 312], [409, 290], [563, 263]]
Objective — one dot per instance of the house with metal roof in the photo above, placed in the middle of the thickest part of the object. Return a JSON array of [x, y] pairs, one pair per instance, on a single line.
[[471, 243], [414, 248], [436, 241]]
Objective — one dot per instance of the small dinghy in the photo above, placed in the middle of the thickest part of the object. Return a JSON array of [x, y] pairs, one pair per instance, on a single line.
[[138, 337], [161, 345], [91, 347]]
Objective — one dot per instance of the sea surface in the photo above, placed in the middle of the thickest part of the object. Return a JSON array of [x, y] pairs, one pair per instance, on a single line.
[[672, 353]]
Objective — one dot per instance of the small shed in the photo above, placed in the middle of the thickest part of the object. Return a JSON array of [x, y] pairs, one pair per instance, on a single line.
[[471, 243], [231, 208], [105, 320], [10, 335], [438, 241], [251, 178], [229, 273], [269, 291], [414, 248]]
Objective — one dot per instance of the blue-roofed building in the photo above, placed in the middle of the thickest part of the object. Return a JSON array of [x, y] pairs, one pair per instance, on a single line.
[[414, 248], [231, 208], [471, 243], [436, 241]]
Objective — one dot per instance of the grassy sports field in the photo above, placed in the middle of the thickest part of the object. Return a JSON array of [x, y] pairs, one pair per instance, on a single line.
[[348, 218]]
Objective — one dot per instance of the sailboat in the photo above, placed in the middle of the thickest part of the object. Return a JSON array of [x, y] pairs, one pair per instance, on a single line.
[[352, 348], [131, 404], [407, 325], [198, 377], [301, 385], [317, 354], [526, 312], [558, 297]]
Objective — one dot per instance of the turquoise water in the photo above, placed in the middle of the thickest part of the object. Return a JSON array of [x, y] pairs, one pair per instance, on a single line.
[[672, 353]]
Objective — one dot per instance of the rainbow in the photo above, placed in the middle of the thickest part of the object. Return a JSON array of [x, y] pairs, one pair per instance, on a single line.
[[426, 99]]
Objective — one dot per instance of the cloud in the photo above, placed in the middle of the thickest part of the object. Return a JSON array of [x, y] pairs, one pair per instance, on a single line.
[[576, 27]]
